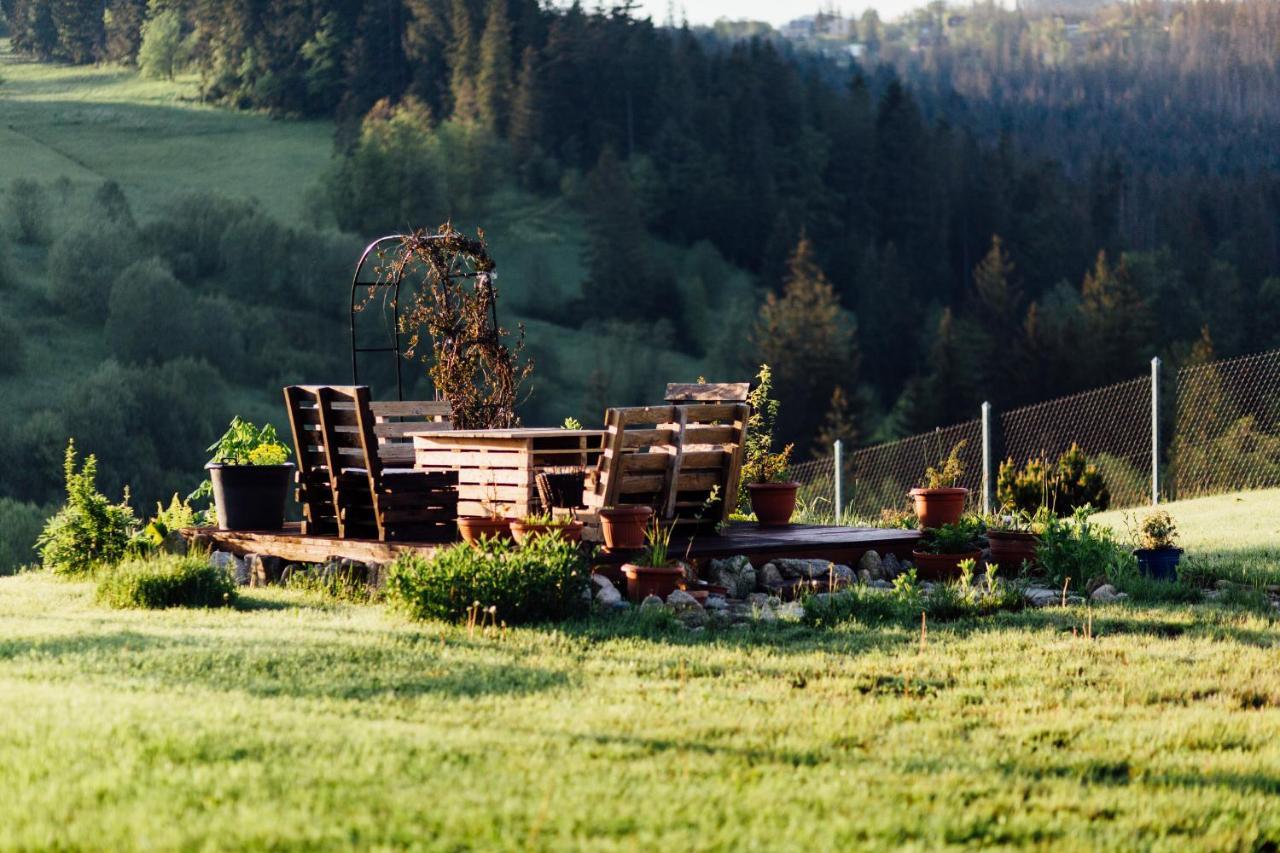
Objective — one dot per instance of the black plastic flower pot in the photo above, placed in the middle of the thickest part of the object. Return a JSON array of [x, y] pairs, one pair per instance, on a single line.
[[250, 497], [1159, 563]]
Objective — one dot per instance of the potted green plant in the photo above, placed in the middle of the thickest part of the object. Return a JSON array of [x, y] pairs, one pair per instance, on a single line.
[[771, 493], [653, 572], [249, 476], [941, 499], [623, 527], [943, 548], [1157, 551], [544, 524], [1012, 538], [493, 525]]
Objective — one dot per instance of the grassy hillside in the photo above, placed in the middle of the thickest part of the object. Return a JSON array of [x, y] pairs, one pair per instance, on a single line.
[[294, 722]]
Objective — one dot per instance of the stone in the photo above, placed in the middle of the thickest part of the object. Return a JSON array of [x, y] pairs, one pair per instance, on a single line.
[[890, 566], [232, 564], [651, 602], [769, 578], [881, 584], [864, 576], [681, 600], [792, 611], [620, 605], [291, 570], [758, 599], [263, 570], [843, 576], [716, 602], [1095, 583], [606, 593], [765, 614], [1104, 594], [694, 619], [735, 574], [808, 570], [376, 575], [1039, 597], [872, 565]]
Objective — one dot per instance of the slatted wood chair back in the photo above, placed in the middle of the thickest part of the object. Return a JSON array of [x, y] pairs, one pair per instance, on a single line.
[[395, 419], [688, 393], [314, 490], [673, 459], [372, 497]]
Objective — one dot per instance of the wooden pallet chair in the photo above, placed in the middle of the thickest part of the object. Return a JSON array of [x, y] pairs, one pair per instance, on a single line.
[[374, 500], [314, 490], [395, 419], [694, 393], [673, 459]]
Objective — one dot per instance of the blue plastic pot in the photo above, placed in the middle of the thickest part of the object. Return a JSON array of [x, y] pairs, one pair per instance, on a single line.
[[1159, 563]]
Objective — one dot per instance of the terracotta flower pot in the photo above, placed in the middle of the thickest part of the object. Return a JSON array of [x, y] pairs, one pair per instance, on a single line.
[[623, 527], [570, 531], [1010, 548], [773, 503], [941, 567], [475, 527], [936, 507], [644, 581]]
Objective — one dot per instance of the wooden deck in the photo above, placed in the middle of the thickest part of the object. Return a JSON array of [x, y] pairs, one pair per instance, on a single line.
[[839, 544]]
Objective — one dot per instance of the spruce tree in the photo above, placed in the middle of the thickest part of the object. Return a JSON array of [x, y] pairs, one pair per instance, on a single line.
[[462, 64], [493, 86], [842, 422], [80, 29], [808, 340], [523, 129], [620, 280], [1116, 321]]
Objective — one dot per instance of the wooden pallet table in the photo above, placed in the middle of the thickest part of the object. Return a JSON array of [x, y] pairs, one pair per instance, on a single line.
[[498, 467]]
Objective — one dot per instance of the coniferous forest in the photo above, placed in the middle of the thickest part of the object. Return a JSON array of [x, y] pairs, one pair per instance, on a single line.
[[982, 205]]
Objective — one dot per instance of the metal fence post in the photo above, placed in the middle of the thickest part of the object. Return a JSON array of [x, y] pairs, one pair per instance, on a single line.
[[1155, 431], [839, 477], [988, 460]]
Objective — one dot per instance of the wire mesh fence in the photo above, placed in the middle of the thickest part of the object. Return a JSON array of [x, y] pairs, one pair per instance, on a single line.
[[1217, 430], [1226, 434]]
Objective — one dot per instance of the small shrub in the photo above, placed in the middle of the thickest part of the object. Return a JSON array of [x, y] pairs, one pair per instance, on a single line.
[[761, 464], [949, 470], [166, 580], [83, 265], [20, 525], [1158, 531], [544, 580], [1072, 483], [89, 531], [148, 316], [29, 208], [1078, 549]]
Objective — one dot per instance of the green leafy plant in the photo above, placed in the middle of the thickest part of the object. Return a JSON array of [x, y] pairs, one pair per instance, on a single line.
[[1013, 520], [657, 545], [899, 519], [958, 538], [166, 580], [544, 580], [571, 423], [1078, 549], [167, 520], [947, 473], [761, 464], [89, 531], [245, 444], [1158, 531]]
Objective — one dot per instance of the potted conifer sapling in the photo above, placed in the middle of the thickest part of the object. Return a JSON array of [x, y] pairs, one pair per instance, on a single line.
[[249, 477], [771, 492], [941, 499]]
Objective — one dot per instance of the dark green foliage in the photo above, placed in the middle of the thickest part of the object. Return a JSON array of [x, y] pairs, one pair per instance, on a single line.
[[958, 538], [143, 292], [1076, 548], [84, 263], [81, 37], [544, 580], [166, 580], [12, 347], [89, 532], [961, 599], [20, 525], [123, 29], [29, 211], [188, 233]]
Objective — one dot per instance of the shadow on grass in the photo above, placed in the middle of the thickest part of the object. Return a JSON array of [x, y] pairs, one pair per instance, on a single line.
[[383, 667]]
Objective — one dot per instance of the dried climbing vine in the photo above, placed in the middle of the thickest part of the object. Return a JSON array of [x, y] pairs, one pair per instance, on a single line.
[[453, 310]]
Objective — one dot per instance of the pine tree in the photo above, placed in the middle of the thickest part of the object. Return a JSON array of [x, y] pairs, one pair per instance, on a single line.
[[996, 324], [1116, 321], [80, 29], [808, 340], [493, 86], [620, 280], [841, 423], [462, 64], [523, 132]]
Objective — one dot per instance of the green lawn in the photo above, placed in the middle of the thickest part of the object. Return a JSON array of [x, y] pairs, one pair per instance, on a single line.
[[294, 723]]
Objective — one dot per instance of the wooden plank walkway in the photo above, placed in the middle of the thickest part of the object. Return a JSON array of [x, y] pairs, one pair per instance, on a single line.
[[839, 544]]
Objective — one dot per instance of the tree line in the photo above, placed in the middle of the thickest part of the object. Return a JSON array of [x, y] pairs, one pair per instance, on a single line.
[[1013, 211]]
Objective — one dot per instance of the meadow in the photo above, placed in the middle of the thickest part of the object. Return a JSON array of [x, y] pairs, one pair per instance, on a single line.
[[243, 727]]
